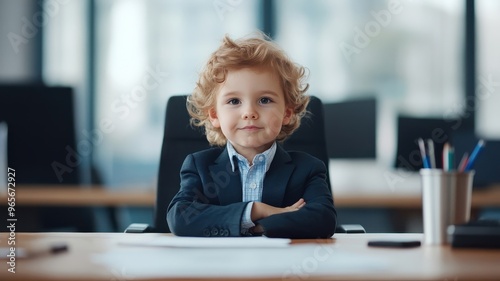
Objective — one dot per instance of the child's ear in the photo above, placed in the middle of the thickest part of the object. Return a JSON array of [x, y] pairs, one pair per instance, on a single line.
[[212, 115], [288, 116]]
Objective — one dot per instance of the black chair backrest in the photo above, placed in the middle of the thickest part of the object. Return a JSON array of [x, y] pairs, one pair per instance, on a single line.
[[410, 129], [310, 136], [42, 149], [181, 139], [40, 124]]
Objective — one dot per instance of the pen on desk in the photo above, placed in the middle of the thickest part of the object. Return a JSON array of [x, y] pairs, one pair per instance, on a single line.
[[432, 158], [46, 250], [33, 251], [463, 162], [425, 161], [473, 156]]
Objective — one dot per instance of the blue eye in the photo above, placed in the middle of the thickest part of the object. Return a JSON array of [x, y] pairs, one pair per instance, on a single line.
[[265, 100], [233, 101]]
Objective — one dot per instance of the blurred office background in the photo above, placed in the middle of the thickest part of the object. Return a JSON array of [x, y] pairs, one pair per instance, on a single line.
[[419, 59]]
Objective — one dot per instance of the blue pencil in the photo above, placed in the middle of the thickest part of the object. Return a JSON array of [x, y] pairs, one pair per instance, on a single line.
[[472, 159], [425, 160]]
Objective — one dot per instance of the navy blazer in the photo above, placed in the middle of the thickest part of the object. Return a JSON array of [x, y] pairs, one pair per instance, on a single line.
[[209, 202]]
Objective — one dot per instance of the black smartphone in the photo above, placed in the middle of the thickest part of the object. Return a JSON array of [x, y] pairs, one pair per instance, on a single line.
[[394, 243]]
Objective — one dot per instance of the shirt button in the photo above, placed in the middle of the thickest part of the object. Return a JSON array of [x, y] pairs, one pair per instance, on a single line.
[[253, 185], [261, 158]]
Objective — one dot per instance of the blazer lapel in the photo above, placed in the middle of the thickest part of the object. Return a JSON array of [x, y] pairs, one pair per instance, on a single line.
[[277, 177], [226, 182]]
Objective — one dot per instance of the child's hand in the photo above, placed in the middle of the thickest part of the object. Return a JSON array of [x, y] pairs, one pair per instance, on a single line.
[[299, 204], [261, 210]]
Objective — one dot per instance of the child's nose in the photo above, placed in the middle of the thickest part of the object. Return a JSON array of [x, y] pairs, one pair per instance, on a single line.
[[250, 113]]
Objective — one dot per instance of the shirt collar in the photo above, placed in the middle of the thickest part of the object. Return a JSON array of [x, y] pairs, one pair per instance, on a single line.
[[235, 156]]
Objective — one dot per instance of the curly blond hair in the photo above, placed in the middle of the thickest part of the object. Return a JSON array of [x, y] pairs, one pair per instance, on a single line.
[[247, 52]]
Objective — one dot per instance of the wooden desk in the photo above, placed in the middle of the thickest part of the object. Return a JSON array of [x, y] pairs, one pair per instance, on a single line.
[[98, 257], [101, 196]]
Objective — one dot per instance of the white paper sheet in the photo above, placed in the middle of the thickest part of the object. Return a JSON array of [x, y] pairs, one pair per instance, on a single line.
[[211, 242], [298, 262]]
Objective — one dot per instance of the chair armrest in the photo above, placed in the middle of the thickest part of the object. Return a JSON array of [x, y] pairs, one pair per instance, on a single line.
[[350, 228], [139, 228]]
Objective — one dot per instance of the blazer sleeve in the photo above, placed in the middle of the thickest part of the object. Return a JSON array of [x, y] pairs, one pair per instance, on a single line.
[[195, 212], [317, 219]]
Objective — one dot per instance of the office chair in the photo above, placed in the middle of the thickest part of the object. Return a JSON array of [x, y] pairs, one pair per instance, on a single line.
[[410, 129], [181, 139], [41, 126], [357, 120]]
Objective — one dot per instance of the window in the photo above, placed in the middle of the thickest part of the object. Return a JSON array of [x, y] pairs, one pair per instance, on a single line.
[[407, 54], [488, 80], [146, 52]]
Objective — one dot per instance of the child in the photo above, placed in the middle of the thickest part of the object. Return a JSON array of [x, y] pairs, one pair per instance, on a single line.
[[249, 98]]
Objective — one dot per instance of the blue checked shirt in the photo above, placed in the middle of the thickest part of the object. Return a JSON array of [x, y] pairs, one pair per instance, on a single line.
[[252, 179]]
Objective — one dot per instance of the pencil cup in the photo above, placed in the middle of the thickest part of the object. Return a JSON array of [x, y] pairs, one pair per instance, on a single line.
[[446, 200]]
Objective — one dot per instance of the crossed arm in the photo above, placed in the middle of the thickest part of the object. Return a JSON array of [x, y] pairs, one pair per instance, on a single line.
[[195, 211], [262, 210]]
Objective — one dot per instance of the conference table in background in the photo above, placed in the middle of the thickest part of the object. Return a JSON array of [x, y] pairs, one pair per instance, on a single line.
[[102, 257]]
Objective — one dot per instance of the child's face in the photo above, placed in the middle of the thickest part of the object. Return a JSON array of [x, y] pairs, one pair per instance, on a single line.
[[250, 109]]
